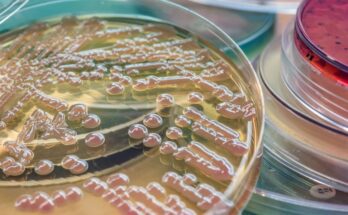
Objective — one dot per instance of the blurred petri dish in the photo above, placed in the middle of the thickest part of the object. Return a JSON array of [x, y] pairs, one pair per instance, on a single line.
[[301, 141], [10, 7], [324, 96], [280, 190], [110, 66], [251, 30], [320, 37], [268, 6]]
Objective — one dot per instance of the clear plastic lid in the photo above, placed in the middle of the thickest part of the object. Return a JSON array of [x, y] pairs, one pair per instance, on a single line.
[[273, 6], [326, 97], [252, 31], [10, 7], [301, 140], [280, 190]]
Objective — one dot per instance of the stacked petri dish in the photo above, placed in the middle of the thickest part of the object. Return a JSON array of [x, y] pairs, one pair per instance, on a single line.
[[313, 71], [305, 143], [119, 107], [293, 164], [317, 49]]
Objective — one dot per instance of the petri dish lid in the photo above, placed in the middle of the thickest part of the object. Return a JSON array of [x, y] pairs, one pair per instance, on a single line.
[[275, 85], [326, 36], [282, 191], [251, 31], [316, 84], [297, 130], [10, 7], [270, 6]]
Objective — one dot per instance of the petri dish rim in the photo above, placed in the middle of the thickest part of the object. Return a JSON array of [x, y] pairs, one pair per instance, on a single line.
[[332, 207], [268, 23], [300, 30], [278, 152], [283, 102], [271, 6], [285, 43], [254, 37]]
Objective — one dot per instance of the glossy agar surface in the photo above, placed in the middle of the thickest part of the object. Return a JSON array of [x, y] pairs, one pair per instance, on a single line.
[[66, 69]]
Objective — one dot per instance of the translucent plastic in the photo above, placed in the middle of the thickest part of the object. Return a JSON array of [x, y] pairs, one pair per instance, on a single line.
[[10, 7], [280, 190], [322, 95], [283, 6], [301, 140], [251, 31], [122, 153]]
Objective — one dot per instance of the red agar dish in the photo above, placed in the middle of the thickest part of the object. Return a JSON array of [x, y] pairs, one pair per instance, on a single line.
[[321, 36]]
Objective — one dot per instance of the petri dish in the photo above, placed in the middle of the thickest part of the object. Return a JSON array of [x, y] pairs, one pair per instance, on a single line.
[[322, 95], [322, 41], [268, 6], [117, 89], [251, 30], [280, 190], [303, 142], [9, 7]]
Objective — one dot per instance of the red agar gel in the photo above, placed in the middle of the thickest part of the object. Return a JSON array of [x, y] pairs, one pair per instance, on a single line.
[[321, 36]]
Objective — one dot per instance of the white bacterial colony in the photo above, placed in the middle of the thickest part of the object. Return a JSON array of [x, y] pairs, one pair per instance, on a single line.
[[94, 139], [44, 167], [203, 195], [44, 203], [154, 198], [74, 164]]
